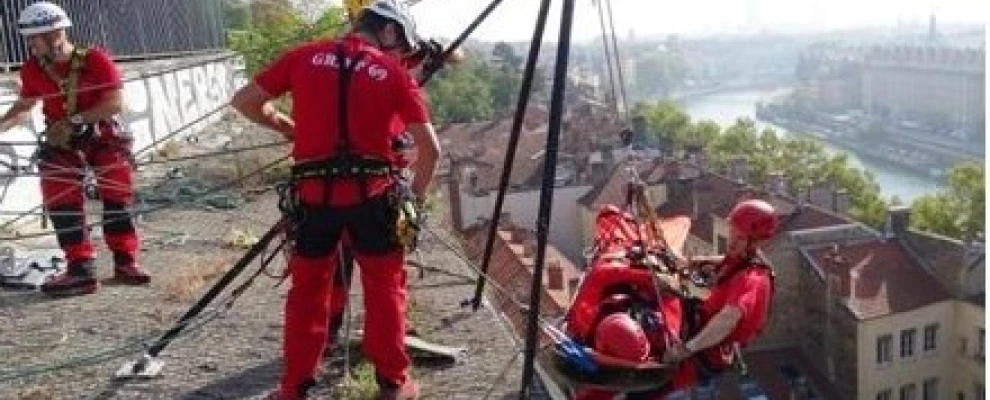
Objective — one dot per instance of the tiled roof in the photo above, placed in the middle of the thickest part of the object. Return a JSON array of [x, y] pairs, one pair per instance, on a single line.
[[613, 189], [889, 280], [779, 373], [511, 268], [483, 144]]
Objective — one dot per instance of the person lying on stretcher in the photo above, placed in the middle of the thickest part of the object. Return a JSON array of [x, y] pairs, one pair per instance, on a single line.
[[633, 319]]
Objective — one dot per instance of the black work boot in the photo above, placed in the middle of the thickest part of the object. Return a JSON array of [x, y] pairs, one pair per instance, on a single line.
[[408, 390], [126, 270], [78, 279]]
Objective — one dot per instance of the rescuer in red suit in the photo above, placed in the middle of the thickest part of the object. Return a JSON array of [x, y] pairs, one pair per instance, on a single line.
[[80, 90]]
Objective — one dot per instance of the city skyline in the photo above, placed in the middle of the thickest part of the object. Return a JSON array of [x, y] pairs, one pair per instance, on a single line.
[[513, 20]]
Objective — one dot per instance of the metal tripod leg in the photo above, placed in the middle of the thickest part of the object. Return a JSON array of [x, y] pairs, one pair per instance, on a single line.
[[148, 365]]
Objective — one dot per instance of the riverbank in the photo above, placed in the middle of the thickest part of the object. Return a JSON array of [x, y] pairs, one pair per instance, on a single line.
[[725, 108]]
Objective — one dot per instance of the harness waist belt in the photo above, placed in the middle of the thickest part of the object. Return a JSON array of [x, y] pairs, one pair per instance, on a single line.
[[342, 168]]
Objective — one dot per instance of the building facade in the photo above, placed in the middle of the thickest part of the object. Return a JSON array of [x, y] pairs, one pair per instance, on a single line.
[[938, 84]]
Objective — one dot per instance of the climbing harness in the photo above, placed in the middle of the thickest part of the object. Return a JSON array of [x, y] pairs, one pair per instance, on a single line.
[[58, 135]]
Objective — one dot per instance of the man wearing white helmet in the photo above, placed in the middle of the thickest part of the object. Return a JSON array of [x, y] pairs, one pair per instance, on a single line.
[[351, 98], [80, 92]]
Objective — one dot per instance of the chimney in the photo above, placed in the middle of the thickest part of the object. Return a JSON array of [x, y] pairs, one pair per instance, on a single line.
[[555, 274], [471, 176], [639, 128], [739, 169], [842, 202], [777, 183], [853, 281], [820, 194], [898, 220], [519, 236], [744, 193], [572, 286], [456, 208], [529, 248], [695, 156], [505, 220], [932, 30]]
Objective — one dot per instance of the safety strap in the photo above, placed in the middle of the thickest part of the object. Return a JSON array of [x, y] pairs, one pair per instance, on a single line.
[[360, 168], [346, 72], [69, 85]]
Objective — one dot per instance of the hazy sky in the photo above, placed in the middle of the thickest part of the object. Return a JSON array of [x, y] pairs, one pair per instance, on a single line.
[[514, 19]]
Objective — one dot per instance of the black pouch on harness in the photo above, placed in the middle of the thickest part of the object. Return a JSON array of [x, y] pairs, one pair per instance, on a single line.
[[710, 363]]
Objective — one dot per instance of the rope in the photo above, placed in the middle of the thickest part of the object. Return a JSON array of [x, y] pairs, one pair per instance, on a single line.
[[608, 57], [618, 60], [150, 209], [10, 374], [220, 153]]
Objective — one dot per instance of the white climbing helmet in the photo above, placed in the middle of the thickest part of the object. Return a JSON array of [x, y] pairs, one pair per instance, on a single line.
[[42, 17], [398, 12]]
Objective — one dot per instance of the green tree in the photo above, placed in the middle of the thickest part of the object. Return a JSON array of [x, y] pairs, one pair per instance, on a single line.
[[959, 210], [666, 122], [802, 158], [463, 93], [276, 29]]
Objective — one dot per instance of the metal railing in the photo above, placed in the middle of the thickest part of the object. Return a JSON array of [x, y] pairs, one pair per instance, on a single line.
[[128, 28]]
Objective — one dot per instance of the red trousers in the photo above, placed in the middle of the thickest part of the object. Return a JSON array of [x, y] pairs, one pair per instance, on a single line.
[[309, 305], [62, 173]]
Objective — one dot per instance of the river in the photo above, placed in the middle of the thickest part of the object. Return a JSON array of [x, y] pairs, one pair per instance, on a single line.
[[724, 108]]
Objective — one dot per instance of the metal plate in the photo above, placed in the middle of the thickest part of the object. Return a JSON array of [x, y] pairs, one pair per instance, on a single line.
[[28, 269], [150, 368]]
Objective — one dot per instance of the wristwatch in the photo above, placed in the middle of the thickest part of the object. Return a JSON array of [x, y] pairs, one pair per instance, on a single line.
[[76, 119]]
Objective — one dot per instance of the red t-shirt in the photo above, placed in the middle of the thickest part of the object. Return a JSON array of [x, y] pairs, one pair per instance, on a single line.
[[383, 98], [99, 75], [749, 290]]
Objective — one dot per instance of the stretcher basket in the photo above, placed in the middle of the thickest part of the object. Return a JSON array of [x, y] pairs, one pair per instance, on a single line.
[[618, 379]]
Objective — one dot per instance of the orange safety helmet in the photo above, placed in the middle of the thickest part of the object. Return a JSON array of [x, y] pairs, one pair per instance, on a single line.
[[754, 218], [618, 335]]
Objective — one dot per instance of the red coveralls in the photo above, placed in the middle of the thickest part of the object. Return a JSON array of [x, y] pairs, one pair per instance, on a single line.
[[107, 154], [381, 92]]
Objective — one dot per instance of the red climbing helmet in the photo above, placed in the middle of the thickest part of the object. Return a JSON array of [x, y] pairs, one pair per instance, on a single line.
[[618, 335], [754, 218]]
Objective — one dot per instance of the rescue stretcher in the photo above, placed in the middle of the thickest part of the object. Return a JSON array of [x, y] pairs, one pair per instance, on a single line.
[[624, 258]]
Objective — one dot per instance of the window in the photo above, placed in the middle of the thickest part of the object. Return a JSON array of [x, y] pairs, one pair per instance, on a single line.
[[884, 342], [723, 244], [931, 337], [930, 389], [978, 391], [979, 344], [907, 391], [963, 344], [884, 394], [907, 342]]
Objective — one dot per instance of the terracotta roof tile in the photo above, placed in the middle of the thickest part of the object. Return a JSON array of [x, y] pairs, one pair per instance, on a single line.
[[512, 270], [889, 280]]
